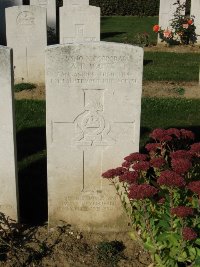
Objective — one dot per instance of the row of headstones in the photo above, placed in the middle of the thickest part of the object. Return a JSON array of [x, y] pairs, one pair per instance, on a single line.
[[167, 10], [93, 103], [26, 32]]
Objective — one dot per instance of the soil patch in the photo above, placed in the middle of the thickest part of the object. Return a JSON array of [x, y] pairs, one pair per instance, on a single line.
[[173, 48], [64, 247], [150, 89]]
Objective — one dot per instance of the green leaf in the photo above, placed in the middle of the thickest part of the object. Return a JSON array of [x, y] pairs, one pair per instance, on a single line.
[[197, 241], [133, 235], [149, 245], [197, 262], [192, 252], [159, 261]]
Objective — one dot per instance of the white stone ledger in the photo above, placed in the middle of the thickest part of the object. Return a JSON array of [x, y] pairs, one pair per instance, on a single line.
[[3, 5], [195, 11], [79, 23], [8, 165], [50, 5], [93, 100], [27, 34]]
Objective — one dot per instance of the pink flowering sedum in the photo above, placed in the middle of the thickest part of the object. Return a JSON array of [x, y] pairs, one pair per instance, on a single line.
[[171, 179], [181, 166], [194, 187], [135, 157], [142, 191], [189, 234], [182, 211]]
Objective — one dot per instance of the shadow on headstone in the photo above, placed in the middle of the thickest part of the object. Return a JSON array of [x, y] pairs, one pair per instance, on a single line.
[[30, 141], [33, 193]]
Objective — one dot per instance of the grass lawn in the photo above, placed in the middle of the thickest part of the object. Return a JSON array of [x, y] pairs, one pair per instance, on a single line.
[[158, 66], [125, 29]]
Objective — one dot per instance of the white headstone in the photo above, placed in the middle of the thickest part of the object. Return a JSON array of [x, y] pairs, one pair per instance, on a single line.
[[50, 5], [4, 4], [8, 169], [195, 11], [75, 2], [79, 23], [27, 35], [166, 13], [93, 122]]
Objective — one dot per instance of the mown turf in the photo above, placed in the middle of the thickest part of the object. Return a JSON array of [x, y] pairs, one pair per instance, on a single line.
[[159, 66], [126, 29]]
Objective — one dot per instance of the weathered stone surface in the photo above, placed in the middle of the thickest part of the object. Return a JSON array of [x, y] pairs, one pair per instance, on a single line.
[[195, 11], [93, 121], [27, 35], [83, 26], [50, 5], [4, 4], [166, 13], [75, 2], [8, 170]]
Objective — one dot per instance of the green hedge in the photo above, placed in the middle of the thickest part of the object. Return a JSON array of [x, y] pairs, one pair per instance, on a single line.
[[125, 7]]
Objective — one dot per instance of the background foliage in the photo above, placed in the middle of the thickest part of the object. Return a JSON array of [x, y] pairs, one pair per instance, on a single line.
[[128, 7]]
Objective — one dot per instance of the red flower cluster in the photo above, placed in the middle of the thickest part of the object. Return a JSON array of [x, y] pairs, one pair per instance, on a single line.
[[171, 179], [181, 166], [194, 187], [182, 211], [126, 164], [174, 131], [160, 135], [135, 157], [112, 173], [195, 149], [152, 146], [181, 154], [157, 162], [187, 134], [189, 234], [129, 177], [142, 191], [141, 166]]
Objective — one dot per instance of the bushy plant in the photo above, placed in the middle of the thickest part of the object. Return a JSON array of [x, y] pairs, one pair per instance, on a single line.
[[181, 30], [160, 191]]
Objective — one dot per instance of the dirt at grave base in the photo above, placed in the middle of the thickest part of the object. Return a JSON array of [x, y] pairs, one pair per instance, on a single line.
[[150, 89], [67, 248]]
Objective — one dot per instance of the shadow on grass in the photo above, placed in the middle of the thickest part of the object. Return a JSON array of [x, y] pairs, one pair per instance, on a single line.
[[105, 35], [33, 193], [30, 141], [147, 61], [145, 131]]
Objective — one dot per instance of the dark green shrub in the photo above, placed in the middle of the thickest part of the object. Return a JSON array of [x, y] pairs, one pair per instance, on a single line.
[[125, 7], [24, 86]]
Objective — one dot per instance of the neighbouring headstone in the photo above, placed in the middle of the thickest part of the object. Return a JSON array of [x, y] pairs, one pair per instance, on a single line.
[[8, 169], [93, 121], [195, 11], [79, 23], [75, 2], [3, 5], [166, 13], [50, 5], [27, 35]]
